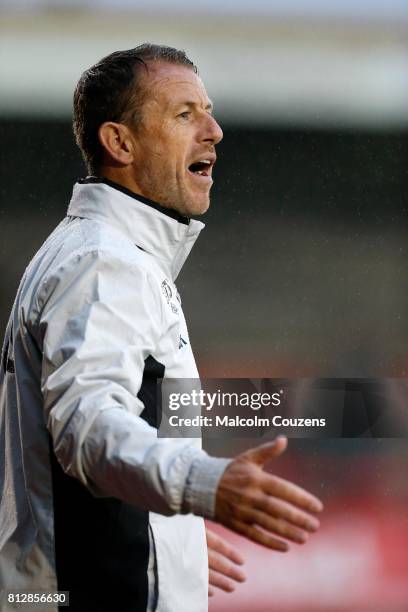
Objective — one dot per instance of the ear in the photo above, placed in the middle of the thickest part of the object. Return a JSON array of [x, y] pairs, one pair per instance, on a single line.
[[116, 140]]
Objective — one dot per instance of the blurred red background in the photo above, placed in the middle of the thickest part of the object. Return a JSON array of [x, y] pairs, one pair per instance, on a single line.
[[358, 561]]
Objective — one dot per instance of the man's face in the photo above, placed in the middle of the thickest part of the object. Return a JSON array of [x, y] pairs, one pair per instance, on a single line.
[[175, 143]]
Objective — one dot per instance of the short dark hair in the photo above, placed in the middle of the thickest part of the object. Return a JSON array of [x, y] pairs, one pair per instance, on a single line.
[[111, 91]]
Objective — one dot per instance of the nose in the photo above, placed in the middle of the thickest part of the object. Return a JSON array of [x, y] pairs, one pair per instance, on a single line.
[[213, 133]]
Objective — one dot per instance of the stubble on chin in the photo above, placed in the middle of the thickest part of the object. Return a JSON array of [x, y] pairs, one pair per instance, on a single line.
[[194, 206], [185, 203], [177, 198]]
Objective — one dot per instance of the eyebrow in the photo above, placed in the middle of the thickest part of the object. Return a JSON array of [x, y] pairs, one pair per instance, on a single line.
[[189, 103]]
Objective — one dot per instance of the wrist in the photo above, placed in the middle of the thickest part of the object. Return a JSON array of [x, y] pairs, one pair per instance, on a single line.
[[202, 483]]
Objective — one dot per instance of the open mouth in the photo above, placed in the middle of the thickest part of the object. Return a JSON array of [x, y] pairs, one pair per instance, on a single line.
[[202, 167]]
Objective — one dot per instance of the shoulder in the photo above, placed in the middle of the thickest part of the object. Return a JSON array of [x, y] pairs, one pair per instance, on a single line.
[[92, 259]]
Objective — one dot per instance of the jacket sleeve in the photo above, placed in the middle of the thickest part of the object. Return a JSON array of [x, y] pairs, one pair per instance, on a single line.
[[100, 318]]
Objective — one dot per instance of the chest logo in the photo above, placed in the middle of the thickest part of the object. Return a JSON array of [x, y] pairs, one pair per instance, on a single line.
[[166, 290], [168, 294]]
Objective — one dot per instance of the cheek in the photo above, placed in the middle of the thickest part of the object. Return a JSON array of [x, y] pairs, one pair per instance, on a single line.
[[170, 155], [166, 153]]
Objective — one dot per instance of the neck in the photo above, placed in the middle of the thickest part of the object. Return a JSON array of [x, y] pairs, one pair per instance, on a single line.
[[121, 176], [133, 194]]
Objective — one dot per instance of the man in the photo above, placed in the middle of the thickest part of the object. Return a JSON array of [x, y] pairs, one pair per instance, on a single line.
[[92, 501]]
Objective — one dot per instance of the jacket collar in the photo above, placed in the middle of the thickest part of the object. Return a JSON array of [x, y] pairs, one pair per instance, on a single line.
[[159, 231]]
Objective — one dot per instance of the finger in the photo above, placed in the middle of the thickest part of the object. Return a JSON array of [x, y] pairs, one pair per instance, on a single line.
[[265, 452], [217, 543], [277, 526], [211, 592], [283, 489], [219, 564], [281, 509], [220, 581], [252, 532]]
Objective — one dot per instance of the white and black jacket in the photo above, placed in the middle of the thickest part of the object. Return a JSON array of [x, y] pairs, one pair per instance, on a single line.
[[96, 321]]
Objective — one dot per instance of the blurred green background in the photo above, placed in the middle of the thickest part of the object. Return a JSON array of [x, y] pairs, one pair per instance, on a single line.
[[301, 269]]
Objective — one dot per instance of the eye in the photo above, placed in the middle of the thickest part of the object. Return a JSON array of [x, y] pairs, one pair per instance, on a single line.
[[185, 114]]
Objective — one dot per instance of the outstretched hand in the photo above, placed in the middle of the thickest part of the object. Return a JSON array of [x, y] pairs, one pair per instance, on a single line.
[[262, 506]]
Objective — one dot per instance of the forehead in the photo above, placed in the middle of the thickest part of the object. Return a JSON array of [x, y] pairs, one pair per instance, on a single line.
[[171, 84]]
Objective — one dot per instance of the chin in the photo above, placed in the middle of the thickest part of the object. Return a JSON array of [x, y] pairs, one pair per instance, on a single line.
[[191, 205], [200, 210], [197, 207]]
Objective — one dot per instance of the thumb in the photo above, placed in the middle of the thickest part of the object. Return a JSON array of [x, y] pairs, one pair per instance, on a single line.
[[263, 453]]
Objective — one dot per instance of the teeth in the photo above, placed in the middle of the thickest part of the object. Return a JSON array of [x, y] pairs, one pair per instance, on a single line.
[[204, 161]]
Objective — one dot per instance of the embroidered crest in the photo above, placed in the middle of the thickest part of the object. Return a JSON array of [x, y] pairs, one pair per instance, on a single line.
[[168, 294]]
